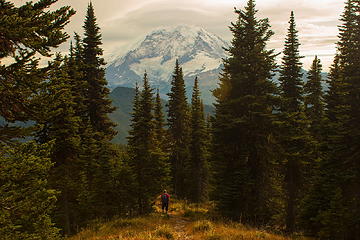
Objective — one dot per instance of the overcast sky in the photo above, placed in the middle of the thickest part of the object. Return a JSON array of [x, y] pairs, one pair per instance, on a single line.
[[124, 22]]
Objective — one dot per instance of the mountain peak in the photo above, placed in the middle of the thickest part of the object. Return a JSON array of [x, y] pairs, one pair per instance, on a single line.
[[198, 51], [185, 30]]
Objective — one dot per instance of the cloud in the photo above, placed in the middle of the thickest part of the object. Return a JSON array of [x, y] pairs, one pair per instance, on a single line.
[[125, 22]]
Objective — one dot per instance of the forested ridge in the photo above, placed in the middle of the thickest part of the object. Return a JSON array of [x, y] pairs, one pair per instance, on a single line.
[[283, 157]]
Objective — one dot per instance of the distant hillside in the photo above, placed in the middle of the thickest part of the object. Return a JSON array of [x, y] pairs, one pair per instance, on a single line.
[[122, 98]]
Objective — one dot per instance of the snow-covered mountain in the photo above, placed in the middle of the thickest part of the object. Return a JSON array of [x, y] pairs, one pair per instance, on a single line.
[[199, 52]]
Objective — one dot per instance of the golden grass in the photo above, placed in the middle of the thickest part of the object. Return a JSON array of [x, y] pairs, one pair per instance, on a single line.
[[124, 229], [164, 231], [203, 226], [186, 222], [236, 232]]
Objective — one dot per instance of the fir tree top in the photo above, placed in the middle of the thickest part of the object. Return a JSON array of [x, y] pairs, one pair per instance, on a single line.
[[92, 31], [346, 29], [158, 114], [290, 78], [177, 98], [314, 100], [250, 64], [99, 104], [195, 100]]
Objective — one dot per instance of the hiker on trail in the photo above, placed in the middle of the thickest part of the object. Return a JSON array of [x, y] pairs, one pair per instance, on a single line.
[[165, 198]]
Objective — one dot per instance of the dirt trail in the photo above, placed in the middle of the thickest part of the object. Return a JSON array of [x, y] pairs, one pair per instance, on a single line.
[[180, 228]]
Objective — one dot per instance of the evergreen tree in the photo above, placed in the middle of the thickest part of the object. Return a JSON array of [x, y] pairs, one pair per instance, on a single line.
[[75, 65], [159, 123], [178, 121], [122, 184], [99, 104], [314, 109], [349, 48], [135, 118], [293, 135], [26, 31], [147, 159], [347, 150], [26, 199], [323, 211], [314, 100], [88, 206], [199, 167], [334, 97], [97, 130], [347, 136], [243, 138], [290, 78], [337, 203], [60, 124]]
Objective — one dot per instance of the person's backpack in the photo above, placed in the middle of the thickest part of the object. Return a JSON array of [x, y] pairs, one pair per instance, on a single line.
[[164, 198]]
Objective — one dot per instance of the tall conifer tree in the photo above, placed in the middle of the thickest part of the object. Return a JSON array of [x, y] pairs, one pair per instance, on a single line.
[[322, 210], [159, 123], [75, 66], [147, 159], [290, 78], [338, 211], [243, 137], [178, 121], [314, 99], [198, 167], [293, 135], [59, 123], [99, 104], [348, 148], [26, 30], [335, 95], [97, 128], [135, 117]]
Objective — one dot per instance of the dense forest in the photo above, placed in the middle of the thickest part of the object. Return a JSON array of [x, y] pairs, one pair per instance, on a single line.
[[284, 156]]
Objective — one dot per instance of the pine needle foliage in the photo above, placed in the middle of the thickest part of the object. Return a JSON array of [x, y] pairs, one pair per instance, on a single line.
[[243, 136], [179, 130]]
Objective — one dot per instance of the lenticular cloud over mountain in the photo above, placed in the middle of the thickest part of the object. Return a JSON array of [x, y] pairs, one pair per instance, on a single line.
[[199, 52]]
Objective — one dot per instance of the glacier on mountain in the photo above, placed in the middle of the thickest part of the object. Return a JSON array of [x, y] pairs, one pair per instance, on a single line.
[[199, 52]]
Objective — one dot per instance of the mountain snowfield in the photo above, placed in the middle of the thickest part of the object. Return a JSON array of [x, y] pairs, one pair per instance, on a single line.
[[199, 52]]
